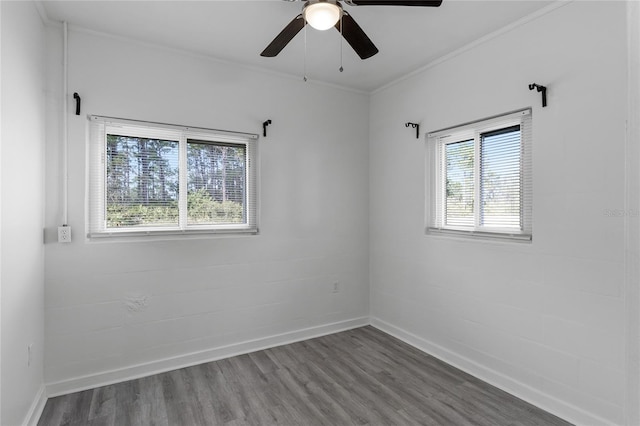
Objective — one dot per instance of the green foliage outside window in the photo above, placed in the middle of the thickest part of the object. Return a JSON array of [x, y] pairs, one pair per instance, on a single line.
[[142, 182]]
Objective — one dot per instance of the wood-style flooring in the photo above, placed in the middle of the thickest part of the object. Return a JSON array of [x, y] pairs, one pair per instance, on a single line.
[[357, 377]]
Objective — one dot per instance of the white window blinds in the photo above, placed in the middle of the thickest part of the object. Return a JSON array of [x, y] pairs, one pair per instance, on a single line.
[[459, 166], [479, 179], [500, 178], [149, 178], [141, 187]]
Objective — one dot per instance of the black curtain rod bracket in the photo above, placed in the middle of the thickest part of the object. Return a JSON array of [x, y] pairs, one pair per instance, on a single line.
[[264, 127], [542, 89], [415, 126], [78, 100]]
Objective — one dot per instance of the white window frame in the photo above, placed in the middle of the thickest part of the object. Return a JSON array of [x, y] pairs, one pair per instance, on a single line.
[[436, 177], [100, 126]]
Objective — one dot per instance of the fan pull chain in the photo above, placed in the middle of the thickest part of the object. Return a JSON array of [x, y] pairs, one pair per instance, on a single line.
[[341, 42], [305, 51]]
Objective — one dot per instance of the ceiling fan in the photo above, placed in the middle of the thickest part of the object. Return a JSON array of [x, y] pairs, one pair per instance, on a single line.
[[324, 14]]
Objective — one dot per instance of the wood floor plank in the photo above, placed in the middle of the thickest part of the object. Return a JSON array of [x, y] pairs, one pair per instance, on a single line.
[[296, 389], [103, 402], [356, 408], [254, 387], [208, 409], [54, 410], [132, 414], [77, 408], [360, 377], [263, 362], [153, 399]]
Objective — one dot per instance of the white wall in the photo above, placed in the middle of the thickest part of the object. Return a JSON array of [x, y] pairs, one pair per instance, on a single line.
[[0, 212], [544, 320], [201, 295], [632, 229], [22, 210]]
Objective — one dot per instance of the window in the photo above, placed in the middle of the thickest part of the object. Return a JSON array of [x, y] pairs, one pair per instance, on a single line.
[[480, 178], [148, 179]]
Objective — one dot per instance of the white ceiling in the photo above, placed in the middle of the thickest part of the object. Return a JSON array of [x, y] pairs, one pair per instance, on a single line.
[[238, 30]]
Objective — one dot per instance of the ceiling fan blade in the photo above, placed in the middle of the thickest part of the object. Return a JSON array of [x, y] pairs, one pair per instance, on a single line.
[[356, 37], [285, 36], [424, 3]]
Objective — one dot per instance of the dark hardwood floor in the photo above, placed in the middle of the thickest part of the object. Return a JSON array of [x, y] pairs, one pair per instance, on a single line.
[[357, 377]]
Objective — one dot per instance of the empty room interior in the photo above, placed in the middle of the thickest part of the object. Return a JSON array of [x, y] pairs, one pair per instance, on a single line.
[[323, 212]]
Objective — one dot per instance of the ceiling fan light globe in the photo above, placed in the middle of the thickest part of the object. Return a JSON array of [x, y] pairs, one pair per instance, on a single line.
[[322, 16]]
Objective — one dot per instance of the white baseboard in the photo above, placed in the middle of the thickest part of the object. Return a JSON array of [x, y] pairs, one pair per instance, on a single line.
[[533, 396], [163, 365], [37, 406]]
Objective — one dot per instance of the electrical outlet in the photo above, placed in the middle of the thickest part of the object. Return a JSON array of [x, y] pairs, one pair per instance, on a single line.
[[336, 287], [64, 234]]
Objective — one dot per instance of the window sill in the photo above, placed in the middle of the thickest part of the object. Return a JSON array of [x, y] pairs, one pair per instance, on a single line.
[[480, 235], [155, 235]]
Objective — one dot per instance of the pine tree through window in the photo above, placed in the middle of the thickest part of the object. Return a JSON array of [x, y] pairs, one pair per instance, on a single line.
[[142, 182], [216, 183]]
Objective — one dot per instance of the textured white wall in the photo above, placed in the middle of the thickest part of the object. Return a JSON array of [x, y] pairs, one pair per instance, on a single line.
[[198, 296], [544, 320], [22, 215]]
